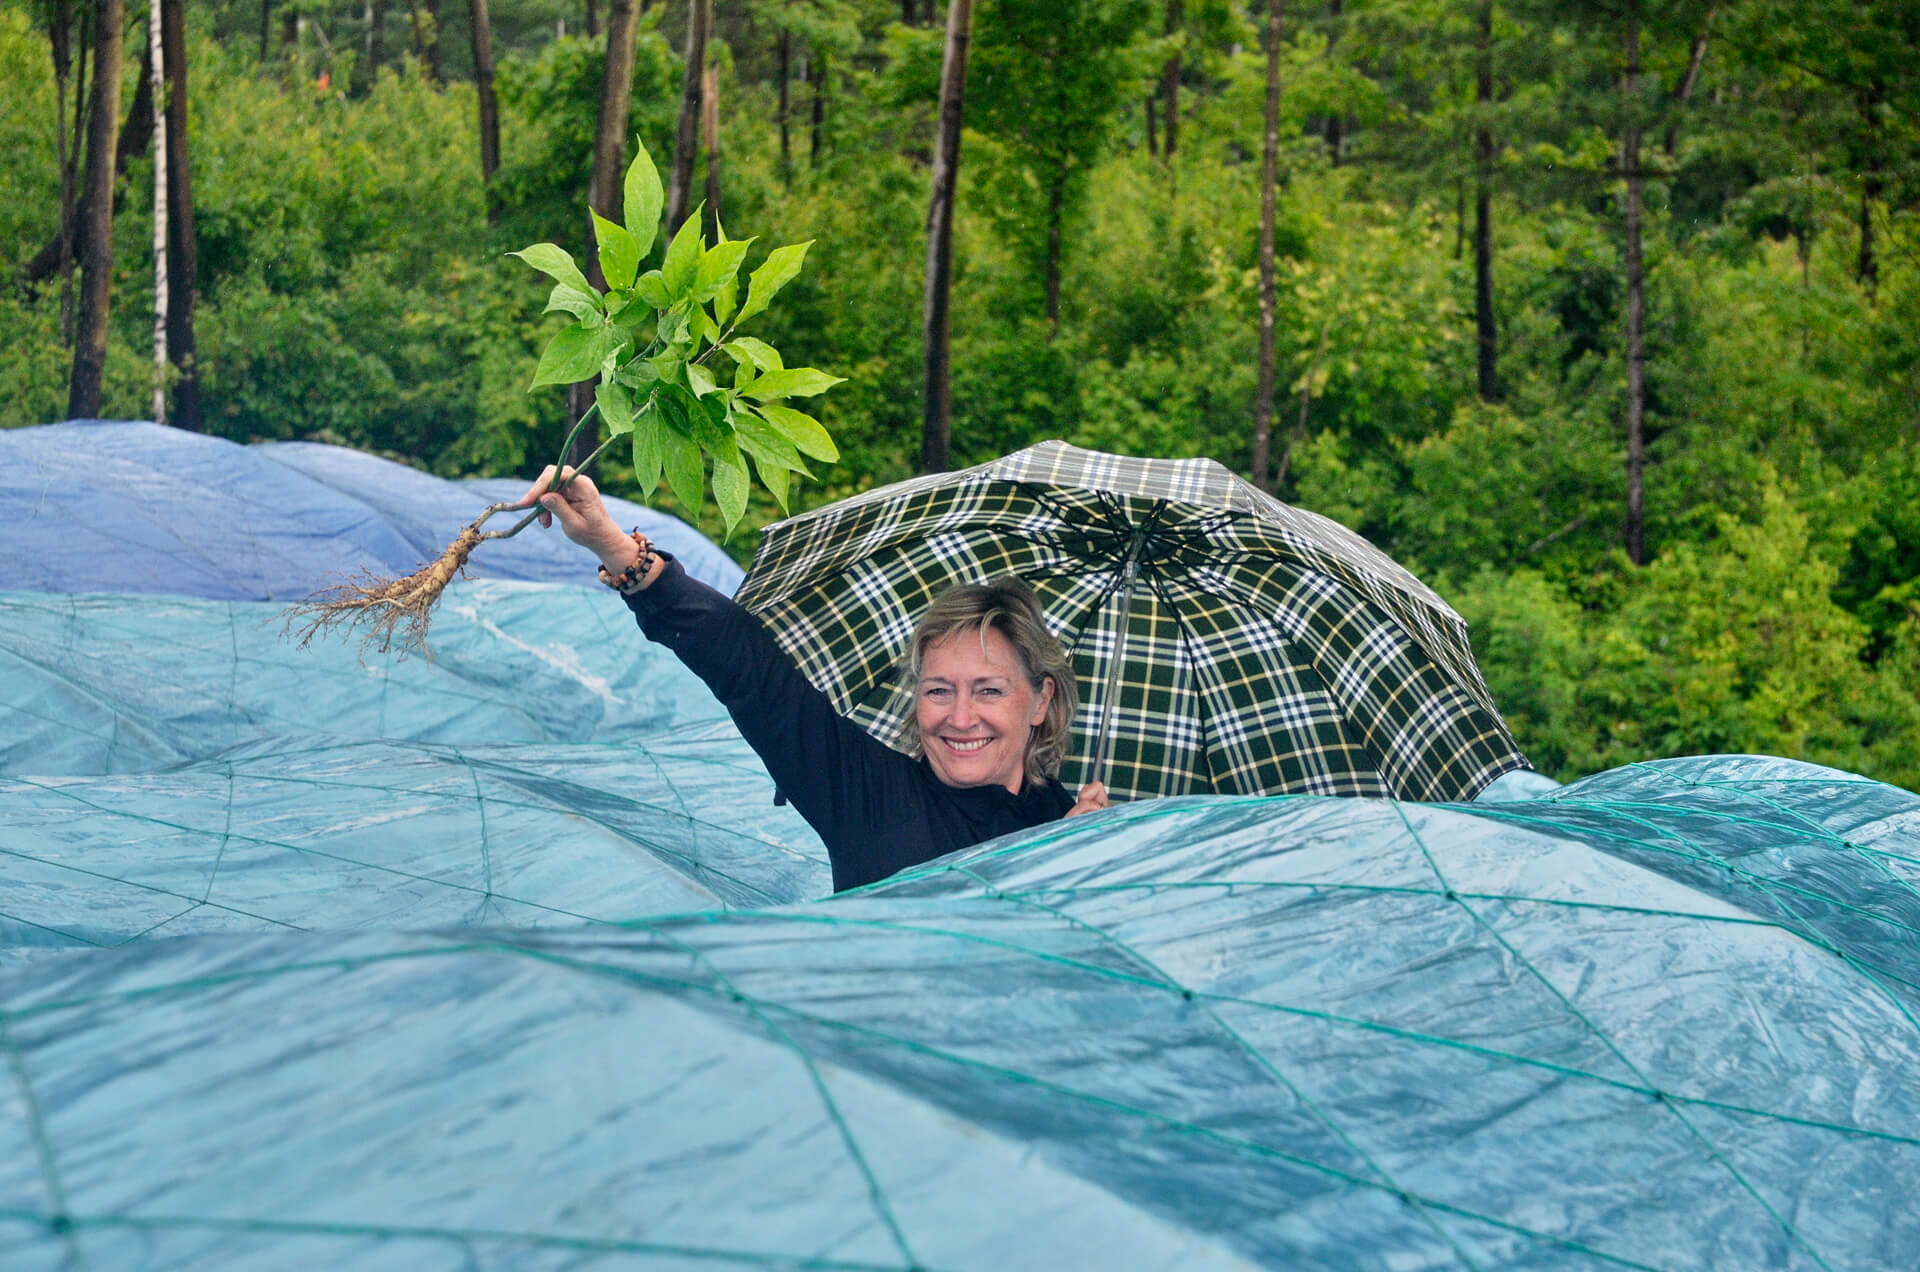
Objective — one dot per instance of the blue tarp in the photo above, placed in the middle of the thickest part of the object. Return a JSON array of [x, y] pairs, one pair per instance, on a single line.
[[506, 959], [114, 506]]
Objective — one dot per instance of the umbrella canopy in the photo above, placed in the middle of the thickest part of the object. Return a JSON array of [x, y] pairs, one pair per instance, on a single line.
[[1224, 641]]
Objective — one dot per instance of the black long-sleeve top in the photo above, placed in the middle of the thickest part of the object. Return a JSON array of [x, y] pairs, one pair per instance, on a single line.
[[877, 811]]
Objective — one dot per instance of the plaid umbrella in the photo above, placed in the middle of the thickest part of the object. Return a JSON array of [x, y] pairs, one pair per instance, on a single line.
[[1223, 641]]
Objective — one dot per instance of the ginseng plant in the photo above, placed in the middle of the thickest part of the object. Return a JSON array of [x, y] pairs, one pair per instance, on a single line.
[[650, 339]]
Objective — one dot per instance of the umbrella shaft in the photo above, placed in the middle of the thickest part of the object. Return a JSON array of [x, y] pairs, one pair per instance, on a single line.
[[1128, 572]]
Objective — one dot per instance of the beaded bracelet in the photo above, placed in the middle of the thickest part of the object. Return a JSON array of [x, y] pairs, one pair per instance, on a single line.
[[633, 578]]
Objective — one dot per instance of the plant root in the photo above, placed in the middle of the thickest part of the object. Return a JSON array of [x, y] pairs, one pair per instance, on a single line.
[[387, 612]]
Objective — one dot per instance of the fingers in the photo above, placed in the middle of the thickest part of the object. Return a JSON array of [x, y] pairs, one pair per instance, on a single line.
[[1093, 798]]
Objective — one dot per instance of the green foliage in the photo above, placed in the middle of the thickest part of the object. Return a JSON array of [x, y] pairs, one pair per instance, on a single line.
[[650, 339]]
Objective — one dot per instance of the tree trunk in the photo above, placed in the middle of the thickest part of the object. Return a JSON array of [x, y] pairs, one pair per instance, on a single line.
[[131, 142], [1636, 300], [710, 138], [1170, 83], [1269, 179], [1153, 137], [489, 111], [605, 194], [266, 28], [786, 108], [1684, 93], [183, 247], [426, 34], [817, 81], [96, 224], [376, 37], [593, 19], [686, 137], [1483, 323], [1872, 185], [936, 426], [1336, 129], [60, 38], [157, 72]]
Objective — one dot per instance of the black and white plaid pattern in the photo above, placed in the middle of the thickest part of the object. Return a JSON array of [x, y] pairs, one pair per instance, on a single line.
[[1266, 649]]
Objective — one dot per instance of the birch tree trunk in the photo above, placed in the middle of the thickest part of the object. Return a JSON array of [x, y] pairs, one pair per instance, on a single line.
[[157, 70], [60, 36], [1269, 178], [936, 426], [95, 239], [183, 246]]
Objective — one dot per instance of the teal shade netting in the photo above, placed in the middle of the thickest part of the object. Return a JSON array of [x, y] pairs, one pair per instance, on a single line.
[[507, 959]]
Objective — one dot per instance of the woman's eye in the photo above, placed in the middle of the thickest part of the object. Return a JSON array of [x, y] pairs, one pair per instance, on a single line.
[[991, 692]]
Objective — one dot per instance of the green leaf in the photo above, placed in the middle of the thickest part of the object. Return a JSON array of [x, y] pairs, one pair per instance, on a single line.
[[619, 253], [632, 313], [680, 457], [574, 354], [803, 431], [682, 262], [648, 453], [726, 300], [774, 478], [641, 200], [775, 272], [705, 419], [730, 485], [555, 264], [700, 380], [616, 406], [652, 288], [719, 265], [759, 352], [792, 382], [700, 326], [638, 374], [766, 444], [568, 299]]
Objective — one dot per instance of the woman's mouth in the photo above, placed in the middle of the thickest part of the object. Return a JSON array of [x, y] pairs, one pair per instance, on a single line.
[[966, 746]]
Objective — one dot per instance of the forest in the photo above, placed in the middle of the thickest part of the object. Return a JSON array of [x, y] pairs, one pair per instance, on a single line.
[[1602, 316]]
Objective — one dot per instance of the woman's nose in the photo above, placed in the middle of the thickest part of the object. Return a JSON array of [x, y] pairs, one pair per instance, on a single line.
[[963, 713]]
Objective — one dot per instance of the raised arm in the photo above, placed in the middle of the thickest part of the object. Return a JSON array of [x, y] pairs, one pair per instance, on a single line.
[[840, 778]]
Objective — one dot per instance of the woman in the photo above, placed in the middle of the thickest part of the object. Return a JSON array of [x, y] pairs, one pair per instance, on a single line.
[[993, 705]]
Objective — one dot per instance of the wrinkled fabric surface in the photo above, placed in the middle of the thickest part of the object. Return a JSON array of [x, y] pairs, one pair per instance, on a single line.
[[1611, 1027], [129, 506], [506, 960]]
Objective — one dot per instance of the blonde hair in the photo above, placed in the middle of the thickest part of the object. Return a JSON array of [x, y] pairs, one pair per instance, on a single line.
[[1008, 606]]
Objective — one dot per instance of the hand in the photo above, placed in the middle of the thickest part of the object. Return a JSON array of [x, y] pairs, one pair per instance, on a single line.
[[583, 517], [1093, 798]]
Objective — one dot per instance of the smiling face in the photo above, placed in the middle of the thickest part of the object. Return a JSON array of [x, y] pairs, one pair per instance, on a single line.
[[976, 709]]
